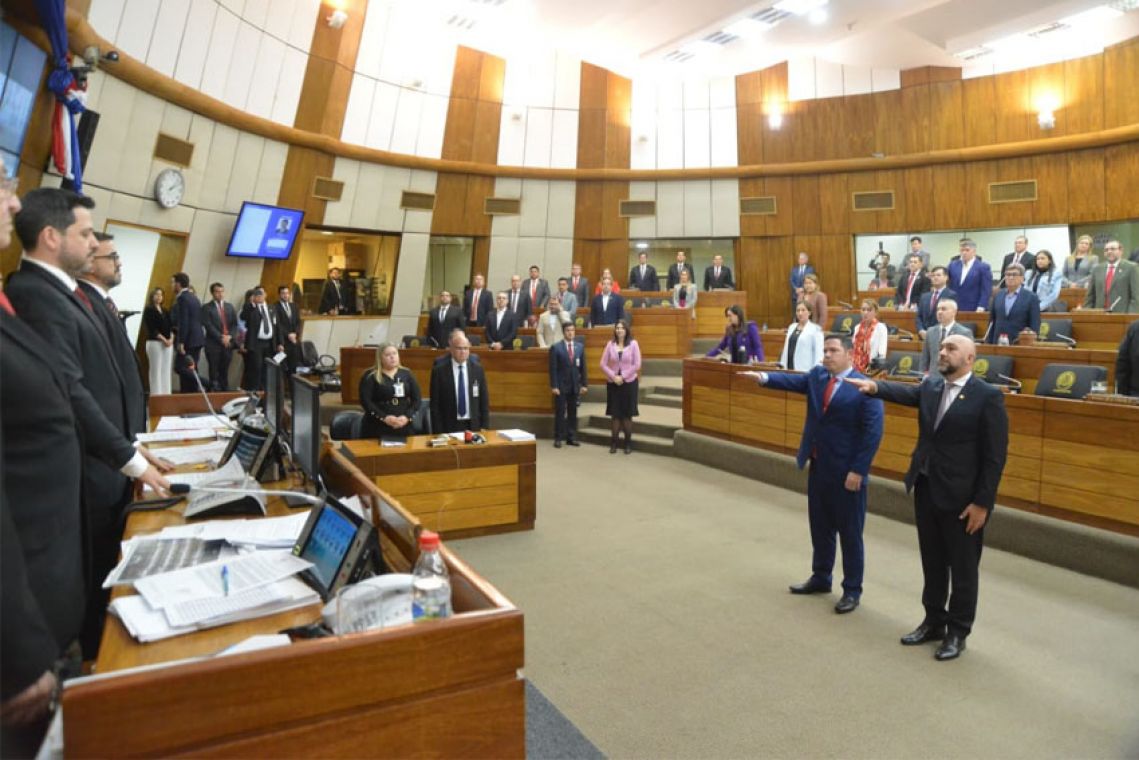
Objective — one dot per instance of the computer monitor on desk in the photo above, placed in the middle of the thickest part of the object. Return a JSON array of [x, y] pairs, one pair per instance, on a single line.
[[274, 396], [306, 428]]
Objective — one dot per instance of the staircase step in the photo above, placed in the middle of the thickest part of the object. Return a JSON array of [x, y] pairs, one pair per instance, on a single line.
[[657, 389], [662, 367], [641, 444], [660, 399], [647, 429]]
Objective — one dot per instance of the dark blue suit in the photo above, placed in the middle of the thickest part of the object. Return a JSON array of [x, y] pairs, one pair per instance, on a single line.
[[568, 378], [187, 318], [599, 316], [1025, 313], [926, 315], [975, 292], [841, 440], [797, 281]]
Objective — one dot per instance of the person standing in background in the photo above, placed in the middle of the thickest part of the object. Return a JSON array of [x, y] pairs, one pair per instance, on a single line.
[[798, 274], [927, 306], [258, 340], [916, 249], [567, 299], [551, 325], [608, 307], [537, 289], [841, 435], [443, 319], [568, 382], [870, 337], [1080, 263], [220, 320], [1020, 255], [390, 396], [718, 276], [287, 318], [460, 399], [816, 299], [674, 270], [1045, 281], [936, 334], [477, 302], [1114, 284], [338, 297], [621, 363], [189, 337], [912, 285], [644, 275], [741, 341], [1015, 308], [971, 279], [579, 286], [803, 346], [684, 294], [159, 343]]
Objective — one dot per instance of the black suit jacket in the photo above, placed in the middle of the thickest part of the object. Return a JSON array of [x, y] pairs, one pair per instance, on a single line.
[[649, 282], [724, 281], [485, 306], [211, 320], [440, 329], [1027, 260], [504, 334], [252, 316], [125, 357], [926, 316], [965, 456], [1127, 362], [674, 275], [187, 318], [444, 410], [566, 377], [583, 292], [520, 308], [290, 323], [86, 362], [344, 300], [41, 546], [599, 316], [921, 287]]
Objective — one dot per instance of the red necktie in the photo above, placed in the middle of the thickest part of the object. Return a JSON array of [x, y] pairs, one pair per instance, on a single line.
[[533, 291], [1107, 283], [910, 287], [933, 301], [224, 324], [575, 283], [83, 297], [829, 392], [6, 305]]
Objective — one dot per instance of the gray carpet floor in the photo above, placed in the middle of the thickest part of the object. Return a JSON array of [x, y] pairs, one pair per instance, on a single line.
[[658, 621]]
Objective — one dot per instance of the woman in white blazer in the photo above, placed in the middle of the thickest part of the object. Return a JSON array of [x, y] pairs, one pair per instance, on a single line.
[[684, 294], [803, 347]]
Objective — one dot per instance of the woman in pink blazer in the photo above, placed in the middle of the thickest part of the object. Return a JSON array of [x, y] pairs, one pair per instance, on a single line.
[[621, 363]]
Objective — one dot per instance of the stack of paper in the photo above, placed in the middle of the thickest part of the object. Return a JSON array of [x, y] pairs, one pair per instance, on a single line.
[[514, 434], [166, 436], [152, 555], [199, 422], [204, 453], [216, 593]]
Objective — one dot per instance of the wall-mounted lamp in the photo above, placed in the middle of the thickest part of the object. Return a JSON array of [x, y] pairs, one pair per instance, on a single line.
[[1046, 105], [337, 19], [1046, 119], [775, 120]]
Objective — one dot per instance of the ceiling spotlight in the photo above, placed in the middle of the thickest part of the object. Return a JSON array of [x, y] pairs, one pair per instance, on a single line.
[[799, 7], [642, 245], [817, 16]]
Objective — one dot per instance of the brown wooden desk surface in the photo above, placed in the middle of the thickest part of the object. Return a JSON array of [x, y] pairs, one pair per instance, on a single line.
[[1072, 459], [458, 490]]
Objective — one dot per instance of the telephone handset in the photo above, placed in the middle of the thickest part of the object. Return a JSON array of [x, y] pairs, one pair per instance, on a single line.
[[390, 607]]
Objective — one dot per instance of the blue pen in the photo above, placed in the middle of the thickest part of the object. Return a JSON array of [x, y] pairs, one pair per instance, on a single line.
[[225, 578]]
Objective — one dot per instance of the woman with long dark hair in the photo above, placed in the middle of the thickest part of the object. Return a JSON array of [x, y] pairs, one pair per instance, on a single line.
[[621, 363], [1045, 280], [159, 342], [741, 342]]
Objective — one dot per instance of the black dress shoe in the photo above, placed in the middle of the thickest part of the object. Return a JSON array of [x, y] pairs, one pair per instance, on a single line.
[[572, 443], [923, 633], [811, 586], [951, 647], [557, 444], [846, 604]]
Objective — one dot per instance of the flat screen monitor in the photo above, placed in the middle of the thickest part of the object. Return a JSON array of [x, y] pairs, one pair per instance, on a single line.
[[306, 427], [274, 395], [264, 232]]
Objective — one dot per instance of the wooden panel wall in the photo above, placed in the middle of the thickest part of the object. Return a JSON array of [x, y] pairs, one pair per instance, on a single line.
[[471, 134], [601, 236], [320, 109]]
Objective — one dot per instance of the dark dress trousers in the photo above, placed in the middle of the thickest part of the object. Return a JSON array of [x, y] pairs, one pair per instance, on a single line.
[[569, 377], [441, 322], [485, 306], [955, 464], [257, 349], [927, 310], [444, 401], [649, 281], [217, 354], [1025, 313], [42, 548], [288, 321], [837, 440], [502, 332], [380, 396], [600, 315], [711, 281], [186, 316]]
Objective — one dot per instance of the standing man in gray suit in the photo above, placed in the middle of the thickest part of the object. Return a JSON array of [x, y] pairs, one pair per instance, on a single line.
[[579, 286], [220, 320], [1114, 284], [934, 336], [566, 298]]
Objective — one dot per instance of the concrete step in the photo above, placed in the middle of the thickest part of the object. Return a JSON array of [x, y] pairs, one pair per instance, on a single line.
[[640, 427], [655, 388], [662, 368], [641, 443], [661, 399]]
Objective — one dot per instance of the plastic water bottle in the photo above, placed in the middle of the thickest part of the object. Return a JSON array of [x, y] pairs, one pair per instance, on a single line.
[[431, 586]]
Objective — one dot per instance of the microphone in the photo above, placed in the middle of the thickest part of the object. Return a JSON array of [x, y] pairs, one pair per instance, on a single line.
[[431, 339], [125, 315], [1012, 381], [185, 488], [249, 501], [1070, 341], [985, 337], [908, 335], [1115, 303], [846, 305], [223, 417]]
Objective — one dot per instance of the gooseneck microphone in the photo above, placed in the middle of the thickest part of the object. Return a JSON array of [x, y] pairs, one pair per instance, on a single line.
[[1070, 341], [1012, 381], [185, 488]]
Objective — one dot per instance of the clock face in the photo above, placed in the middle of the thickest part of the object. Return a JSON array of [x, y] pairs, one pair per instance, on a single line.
[[169, 188]]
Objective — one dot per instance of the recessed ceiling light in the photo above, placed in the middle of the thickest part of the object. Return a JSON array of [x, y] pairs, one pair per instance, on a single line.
[[799, 7], [642, 245], [1098, 15], [747, 28], [817, 16]]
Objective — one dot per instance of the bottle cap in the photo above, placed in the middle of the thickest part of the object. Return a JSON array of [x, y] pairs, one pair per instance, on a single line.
[[428, 541]]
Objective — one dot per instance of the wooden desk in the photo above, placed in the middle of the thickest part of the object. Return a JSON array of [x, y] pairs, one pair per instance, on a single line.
[[1071, 459], [458, 491], [446, 689]]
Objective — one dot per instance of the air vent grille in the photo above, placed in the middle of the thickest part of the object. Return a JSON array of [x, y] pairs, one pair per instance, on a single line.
[[1012, 192], [327, 188], [502, 206], [173, 150], [874, 200], [637, 208], [417, 201], [763, 205]]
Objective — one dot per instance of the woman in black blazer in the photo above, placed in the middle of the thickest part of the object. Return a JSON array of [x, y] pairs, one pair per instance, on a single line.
[[159, 343], [390, 396]]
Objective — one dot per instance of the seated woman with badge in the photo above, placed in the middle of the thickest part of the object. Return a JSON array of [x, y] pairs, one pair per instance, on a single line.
[[390, 396]]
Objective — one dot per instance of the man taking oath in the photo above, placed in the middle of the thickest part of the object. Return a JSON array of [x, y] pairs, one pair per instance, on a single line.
[[954, 473], [840, 437]]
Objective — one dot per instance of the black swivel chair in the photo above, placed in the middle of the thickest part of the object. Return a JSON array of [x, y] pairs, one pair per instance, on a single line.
[[523, 342], [989, 367], [414, 341], [845, 323], [1051, 329], [903, 363], [1072, 381], [421, 420], [346, 425]]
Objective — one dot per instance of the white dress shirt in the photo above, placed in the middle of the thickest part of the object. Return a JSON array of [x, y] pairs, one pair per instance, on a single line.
[[949, 394]]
